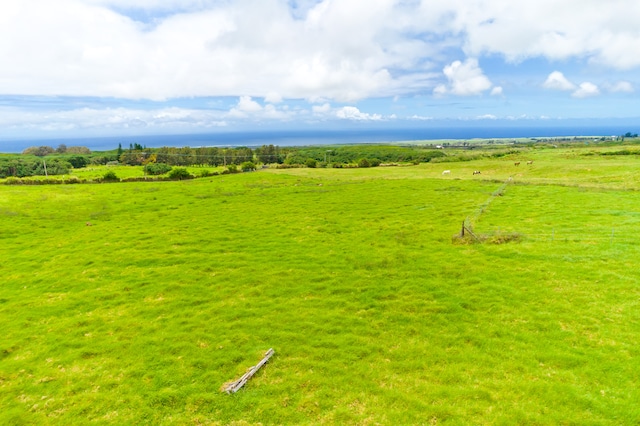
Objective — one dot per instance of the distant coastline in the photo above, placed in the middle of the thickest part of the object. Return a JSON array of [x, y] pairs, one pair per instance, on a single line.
[[323, 137]]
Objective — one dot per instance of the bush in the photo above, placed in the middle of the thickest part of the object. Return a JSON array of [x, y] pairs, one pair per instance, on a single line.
[[110, 176], [74, 179], [157, 168], [180, 173], [143, 179], [364, 163], [13, 181], [232, 168], [207, 173], [311, 163], [78, 161], [248, 166]]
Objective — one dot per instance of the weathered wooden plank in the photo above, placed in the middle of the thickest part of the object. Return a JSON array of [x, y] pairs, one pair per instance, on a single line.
[[236, 385]]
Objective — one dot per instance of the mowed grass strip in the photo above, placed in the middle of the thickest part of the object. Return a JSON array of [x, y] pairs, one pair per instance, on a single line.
[[350, 275]]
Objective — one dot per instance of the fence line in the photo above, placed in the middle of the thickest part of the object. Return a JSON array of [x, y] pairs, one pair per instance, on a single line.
[[565, 235], [469, 220], [572, 235]]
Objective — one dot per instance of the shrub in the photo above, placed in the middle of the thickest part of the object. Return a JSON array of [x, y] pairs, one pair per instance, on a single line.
[[363, 162], [74, 179], [311, 163], [180, 173], [206, 173], [100, 160], [232, 168], [248, 166], [78, 161], [110, 176], [141, 179], [157, 168], [375, 162], [13, 181]]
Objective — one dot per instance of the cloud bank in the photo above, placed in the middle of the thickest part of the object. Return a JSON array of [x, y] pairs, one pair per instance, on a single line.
[[311, 49]]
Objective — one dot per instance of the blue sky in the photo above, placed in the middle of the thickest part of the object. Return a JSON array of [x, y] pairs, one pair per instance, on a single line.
[[85, 68]]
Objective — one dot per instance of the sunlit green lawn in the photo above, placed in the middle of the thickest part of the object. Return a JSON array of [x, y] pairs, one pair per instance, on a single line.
[[351, 275]]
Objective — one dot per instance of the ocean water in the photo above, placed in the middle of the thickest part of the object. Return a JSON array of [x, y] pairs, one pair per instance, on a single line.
[[327, 137]]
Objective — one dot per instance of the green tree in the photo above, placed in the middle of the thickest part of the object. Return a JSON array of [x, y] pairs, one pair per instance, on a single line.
[[132, 158], [78, 161], [80, 150], [268, 154], [40, 151]]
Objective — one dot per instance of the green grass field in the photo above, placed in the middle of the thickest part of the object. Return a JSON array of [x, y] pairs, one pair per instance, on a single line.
[[351, 275]]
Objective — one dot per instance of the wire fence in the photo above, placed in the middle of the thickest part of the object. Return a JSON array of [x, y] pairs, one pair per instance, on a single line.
[[599, 235], [610, 236]]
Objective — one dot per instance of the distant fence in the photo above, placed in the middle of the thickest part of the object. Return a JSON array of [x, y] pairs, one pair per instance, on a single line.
[[562, 235], [601, 235]]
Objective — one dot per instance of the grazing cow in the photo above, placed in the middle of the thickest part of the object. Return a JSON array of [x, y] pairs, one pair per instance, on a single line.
[[446, 172], [530, 162], [476, 172], [516, 163]]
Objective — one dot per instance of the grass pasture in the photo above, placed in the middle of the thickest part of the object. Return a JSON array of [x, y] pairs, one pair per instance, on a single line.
[[351, 275]]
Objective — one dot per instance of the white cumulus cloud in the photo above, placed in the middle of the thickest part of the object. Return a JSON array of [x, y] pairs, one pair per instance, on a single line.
[[329, 50], [464, 79], [353, 113], [601, 32], [586, 90], [249, 108], [557, 81]]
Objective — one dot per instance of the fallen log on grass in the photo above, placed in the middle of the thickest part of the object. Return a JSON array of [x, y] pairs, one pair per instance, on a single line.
[[235, 386]]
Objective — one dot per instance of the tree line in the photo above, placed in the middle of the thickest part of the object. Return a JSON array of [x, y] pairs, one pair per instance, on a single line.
[[43, 160]]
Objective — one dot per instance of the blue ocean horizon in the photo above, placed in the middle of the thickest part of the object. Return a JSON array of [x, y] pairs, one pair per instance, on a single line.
[[309, 137]]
